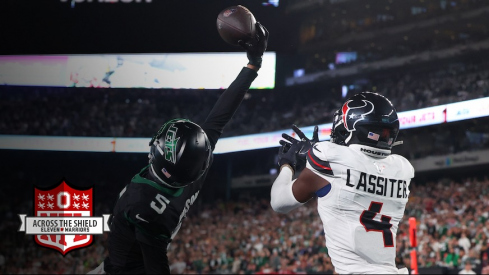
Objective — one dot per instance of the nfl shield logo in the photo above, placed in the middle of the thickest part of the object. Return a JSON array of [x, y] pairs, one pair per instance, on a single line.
[[63, 201], [228, 12]]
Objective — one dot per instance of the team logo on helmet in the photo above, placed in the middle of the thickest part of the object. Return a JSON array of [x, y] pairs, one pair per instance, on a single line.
[[352, 115], [171, 144]]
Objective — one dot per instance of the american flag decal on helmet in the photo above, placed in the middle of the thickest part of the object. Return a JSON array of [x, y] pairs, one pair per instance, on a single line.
[[373, 136], [165, 172]]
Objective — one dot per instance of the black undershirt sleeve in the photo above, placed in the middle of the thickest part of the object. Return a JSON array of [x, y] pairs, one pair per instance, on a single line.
[[227, 104], [155, 259]]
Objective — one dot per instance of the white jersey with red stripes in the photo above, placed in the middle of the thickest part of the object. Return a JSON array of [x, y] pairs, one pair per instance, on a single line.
[[362, 206]]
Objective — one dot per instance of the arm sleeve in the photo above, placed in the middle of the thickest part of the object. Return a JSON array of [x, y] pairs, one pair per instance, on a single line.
[[154, 251], [282, 197], [155, 259], [227, 104]]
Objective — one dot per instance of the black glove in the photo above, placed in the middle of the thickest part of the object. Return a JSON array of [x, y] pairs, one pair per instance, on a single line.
[[294, 152], [308, 143], [257, 46]]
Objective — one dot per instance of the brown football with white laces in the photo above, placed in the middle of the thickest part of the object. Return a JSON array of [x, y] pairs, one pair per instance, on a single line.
[[236, 23]]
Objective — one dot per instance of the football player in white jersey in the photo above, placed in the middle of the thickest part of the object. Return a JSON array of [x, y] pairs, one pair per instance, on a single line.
[[362, 189]]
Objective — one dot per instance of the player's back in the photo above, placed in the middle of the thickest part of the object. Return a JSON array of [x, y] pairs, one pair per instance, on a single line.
[[366, 202]]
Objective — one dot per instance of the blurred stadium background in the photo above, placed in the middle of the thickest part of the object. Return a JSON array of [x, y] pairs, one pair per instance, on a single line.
[[427, 56]]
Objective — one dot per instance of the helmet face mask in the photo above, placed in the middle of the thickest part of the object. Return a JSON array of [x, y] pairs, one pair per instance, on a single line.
[[367, 119], [180, 153], [338, 130]]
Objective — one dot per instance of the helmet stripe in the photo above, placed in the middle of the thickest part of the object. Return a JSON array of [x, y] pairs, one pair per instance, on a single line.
[[159, 148], [344, 111]]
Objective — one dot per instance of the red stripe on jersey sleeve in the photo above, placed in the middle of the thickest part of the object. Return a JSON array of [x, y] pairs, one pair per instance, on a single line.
[[320, 165]]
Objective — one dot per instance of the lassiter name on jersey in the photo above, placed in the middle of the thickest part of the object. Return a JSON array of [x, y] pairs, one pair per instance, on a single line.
[[378, 185]]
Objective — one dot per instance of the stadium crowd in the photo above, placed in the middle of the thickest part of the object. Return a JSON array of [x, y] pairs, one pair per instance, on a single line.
[[138, 112], [444, 139], [332, 22], [247, 237], [412, 29]]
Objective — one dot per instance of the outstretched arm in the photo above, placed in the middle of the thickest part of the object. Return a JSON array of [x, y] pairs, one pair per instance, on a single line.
[[227, 104], [231, 98]]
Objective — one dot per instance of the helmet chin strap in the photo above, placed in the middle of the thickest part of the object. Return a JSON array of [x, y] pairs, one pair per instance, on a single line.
[[347, 139], [400, 142]]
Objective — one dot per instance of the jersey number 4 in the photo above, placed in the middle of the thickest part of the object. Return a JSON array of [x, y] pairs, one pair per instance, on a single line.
[[383, 226]]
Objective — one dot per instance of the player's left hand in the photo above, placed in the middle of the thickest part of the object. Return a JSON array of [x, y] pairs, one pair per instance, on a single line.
[[294, 152], [307, 143], [257, 46]]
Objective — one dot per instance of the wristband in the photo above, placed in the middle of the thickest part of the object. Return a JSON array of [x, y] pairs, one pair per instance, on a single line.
[[287, 165]]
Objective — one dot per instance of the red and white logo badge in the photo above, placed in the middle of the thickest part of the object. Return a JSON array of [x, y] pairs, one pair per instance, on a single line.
[[63, 218], [63, 201]]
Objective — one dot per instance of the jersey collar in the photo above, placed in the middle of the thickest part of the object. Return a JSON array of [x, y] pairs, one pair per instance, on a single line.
[[371, 151]]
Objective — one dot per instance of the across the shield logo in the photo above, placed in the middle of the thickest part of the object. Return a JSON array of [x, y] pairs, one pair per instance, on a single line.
[[63, 201]]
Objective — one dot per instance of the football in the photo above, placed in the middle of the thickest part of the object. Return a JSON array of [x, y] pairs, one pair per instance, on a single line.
[[236, 23]]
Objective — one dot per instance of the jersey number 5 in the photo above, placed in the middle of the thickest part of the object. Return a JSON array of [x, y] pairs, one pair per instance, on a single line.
[[162, 201], [383, 226]]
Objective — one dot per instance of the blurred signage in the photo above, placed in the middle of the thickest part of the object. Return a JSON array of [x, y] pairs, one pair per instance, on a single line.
[[106, 1], [451, 161], [422, 117], [410, 119], [468, 109], [274, 3], [266, 140], [253, 181], [171, 70], [74, 144], [345, 57]]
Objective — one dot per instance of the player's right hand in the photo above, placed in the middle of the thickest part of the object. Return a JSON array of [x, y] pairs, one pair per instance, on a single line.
[[257, 46], [294, 152]]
